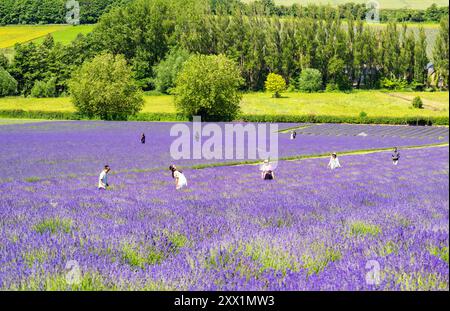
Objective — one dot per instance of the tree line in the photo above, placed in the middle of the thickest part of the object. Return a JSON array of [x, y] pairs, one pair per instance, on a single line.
[[157, 36], [54, 11]]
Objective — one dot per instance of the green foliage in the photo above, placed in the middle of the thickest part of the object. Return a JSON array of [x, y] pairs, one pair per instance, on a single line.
[[440, 252], [360, 228], [275, 84], [52, 11], [32, 179], [394, 84], [317, 264], [58, 115], [4, 63], [136, 257], [154, 21], [44, 89], [104, 88], [331, 87], [417, 103], [167, 70], [8, 85], [363, 114], [53, 225], [441, 55], [336, 73], [310, 80], [208, 86]]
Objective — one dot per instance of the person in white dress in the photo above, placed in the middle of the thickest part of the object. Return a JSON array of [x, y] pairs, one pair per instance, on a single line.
[[180, 179], [334, 162], [267, 172], [103, 178]]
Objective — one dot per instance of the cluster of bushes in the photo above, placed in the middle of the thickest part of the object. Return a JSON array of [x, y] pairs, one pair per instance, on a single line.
[[44, 89]]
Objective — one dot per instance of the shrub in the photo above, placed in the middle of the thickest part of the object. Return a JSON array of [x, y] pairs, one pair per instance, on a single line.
[[167, 70], [275, 84], [417, 103], [310, 80], [208, 86], [43, 89], [394, 84], [363, 114], [4, 63], [332, 87], [104, 88], [8, 85]]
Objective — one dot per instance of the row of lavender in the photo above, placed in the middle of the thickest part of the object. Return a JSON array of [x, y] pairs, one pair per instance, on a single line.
[[35, 151], [367, 226]]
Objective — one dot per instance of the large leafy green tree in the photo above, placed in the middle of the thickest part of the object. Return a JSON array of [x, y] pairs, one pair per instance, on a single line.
[[208, 86], [167, 70], [104, 88], [420, 57], [441, 55], [8, 85]]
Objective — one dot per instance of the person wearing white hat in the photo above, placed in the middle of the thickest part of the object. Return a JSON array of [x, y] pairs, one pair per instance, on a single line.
[[267, 172], [334, 161]]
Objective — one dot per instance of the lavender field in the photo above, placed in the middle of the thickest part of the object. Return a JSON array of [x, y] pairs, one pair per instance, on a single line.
[[309, 229]]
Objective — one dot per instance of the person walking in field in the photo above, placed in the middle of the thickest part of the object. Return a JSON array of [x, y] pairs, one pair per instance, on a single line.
[[395, 156], [267, 172], [103, 178], [143, 138], [293, 135], [334, 161], [180, 179]]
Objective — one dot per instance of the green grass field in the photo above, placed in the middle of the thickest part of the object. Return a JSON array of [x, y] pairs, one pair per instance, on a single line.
[[374, 103], [386, 4], [19, 121]]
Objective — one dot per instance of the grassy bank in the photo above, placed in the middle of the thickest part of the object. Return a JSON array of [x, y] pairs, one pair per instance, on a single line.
[[380, 107]]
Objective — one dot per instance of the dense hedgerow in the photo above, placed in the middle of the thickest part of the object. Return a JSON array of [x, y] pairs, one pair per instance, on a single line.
[[56, 115]]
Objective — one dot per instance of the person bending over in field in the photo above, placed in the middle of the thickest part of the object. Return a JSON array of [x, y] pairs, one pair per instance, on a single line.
[[180, 179], [103, 178], [143, 138], [395, 156], [267, 172], [334, 161]]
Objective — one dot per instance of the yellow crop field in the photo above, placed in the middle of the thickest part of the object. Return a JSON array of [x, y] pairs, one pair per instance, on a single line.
[[10, 35]]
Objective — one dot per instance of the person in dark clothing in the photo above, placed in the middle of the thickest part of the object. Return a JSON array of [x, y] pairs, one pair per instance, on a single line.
[[143, 138], [395, 156]]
